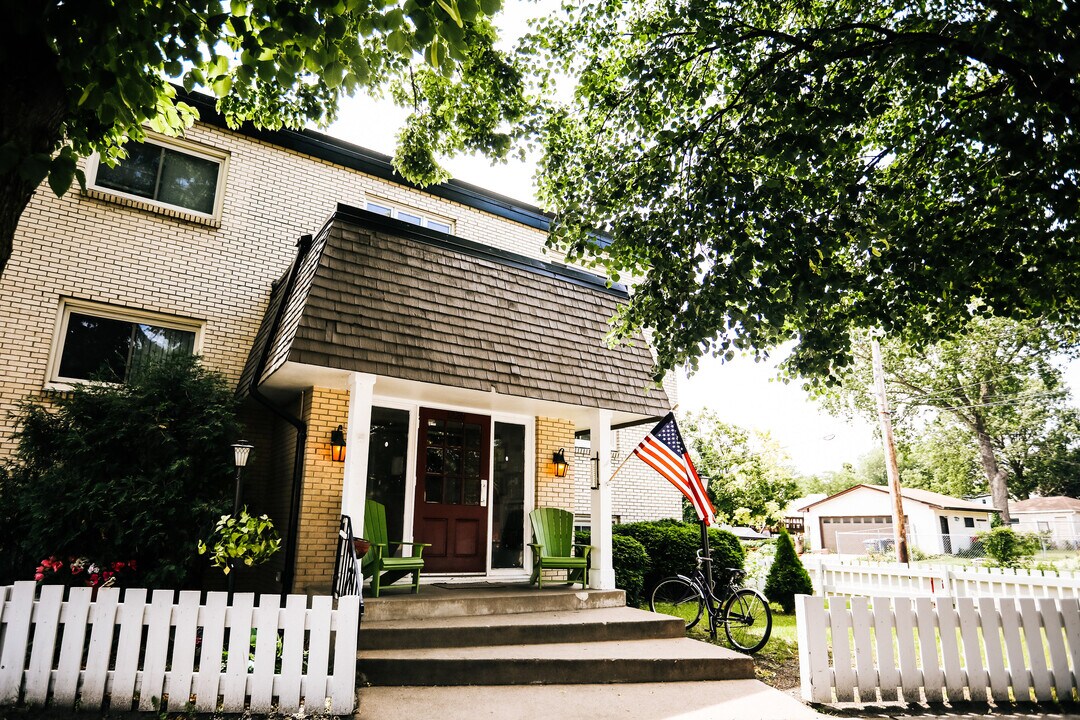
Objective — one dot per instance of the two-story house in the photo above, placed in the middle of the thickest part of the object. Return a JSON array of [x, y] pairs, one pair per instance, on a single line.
[[456, 356]]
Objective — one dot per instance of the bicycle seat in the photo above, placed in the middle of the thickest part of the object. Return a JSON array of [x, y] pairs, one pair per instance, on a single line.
[[735, 571]]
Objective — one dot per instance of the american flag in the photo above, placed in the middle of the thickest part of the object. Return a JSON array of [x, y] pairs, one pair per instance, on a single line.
[[663, 450]]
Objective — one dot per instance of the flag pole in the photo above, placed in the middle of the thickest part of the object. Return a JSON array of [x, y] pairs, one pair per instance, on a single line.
[[708, 568], [625, 460]]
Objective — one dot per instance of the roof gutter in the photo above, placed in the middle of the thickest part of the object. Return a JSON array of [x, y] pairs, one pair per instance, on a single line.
[[289, 573]]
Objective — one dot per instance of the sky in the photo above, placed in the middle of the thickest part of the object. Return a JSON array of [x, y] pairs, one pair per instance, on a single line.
[[741, 392]]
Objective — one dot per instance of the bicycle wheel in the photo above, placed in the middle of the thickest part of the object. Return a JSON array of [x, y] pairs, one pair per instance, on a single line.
[[747, 620], [676, 597]]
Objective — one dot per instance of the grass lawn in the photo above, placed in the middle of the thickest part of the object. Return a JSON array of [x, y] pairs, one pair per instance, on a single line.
[[776, 664]]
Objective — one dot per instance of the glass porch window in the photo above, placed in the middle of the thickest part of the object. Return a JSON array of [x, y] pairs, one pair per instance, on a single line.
[[508, 497], [387, 453]]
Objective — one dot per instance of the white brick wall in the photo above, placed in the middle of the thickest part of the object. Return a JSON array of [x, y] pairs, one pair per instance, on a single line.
[[92, 249], [637, 492]]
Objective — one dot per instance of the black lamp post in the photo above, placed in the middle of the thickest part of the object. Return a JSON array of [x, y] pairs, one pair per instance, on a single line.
[[241, 451]]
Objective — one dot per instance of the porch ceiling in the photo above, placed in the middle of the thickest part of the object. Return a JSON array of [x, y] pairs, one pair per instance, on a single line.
[[440, 319]]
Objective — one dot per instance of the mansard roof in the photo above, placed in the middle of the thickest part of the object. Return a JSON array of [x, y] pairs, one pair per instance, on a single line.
[[376, 295]]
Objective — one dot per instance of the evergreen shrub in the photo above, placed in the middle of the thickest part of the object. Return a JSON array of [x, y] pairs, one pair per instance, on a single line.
[[672, 548], [630, 561], [787, 576], [107, 472]]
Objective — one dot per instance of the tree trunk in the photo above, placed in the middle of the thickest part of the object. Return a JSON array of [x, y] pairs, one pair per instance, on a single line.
[[32, 115], [996, 475]]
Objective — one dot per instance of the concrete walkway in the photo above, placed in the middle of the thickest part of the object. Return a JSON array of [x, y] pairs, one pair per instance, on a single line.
[[721, 700]]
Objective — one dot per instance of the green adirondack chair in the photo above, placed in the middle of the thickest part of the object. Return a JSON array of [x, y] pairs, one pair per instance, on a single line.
[[553, 531], [380, 564]]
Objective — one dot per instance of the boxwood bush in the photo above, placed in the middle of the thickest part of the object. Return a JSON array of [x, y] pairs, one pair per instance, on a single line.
[[630, 561], [672, 546]]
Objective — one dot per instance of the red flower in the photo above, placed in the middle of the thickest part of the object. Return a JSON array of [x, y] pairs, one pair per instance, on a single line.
[[39, 577], [131, 564], [118, 566]]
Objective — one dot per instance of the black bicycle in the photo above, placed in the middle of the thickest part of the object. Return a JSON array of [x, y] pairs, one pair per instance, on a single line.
[[744, 612]]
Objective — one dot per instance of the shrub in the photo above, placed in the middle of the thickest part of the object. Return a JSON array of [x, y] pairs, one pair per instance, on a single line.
[[672, 545], [1008, 548], [139, 471], [787, 576], [630, 561]]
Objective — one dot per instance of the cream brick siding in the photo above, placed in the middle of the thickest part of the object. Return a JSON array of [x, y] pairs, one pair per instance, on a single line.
[[92, 249], [637, 492], [320, 504], [551, 435]]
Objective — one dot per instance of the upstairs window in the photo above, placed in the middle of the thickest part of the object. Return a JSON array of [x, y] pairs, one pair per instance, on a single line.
[[410, 215], [166, 174], [98, 343]]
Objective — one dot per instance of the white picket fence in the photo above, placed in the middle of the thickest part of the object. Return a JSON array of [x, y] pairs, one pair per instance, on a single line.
[[936, 649], [167, 653], [836, 577]]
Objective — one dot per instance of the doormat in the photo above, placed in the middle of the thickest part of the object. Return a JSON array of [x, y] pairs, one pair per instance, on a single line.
[[478, 586]]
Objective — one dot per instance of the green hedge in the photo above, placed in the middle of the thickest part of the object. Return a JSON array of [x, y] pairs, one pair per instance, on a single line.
[[630, 561], [672, 547], [668, 547]]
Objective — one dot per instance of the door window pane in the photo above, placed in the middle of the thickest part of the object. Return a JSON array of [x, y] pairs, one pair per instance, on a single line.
[[508, 501], [387, 454], [409, 217]]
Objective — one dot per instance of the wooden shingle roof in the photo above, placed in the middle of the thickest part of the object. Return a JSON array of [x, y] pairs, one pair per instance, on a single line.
[[378, 296]]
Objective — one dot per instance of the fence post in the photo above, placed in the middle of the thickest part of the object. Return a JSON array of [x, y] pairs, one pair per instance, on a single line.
[[811, 623]]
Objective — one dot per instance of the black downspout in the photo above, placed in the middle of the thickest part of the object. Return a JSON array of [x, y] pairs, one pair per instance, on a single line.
[[304, 246]]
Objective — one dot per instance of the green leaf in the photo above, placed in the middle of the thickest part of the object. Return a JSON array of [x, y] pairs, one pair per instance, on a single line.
[[490, 7], [451, 9], [61, 173], [398, 43]]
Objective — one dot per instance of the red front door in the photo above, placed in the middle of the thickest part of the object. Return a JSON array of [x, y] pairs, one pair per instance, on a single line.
[[451, 490]]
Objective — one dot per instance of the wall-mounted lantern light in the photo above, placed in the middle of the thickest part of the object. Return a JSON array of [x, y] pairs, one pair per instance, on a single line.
[[337, 444], [558, 462]]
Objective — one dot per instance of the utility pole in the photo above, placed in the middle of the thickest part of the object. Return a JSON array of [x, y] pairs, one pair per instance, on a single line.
[[891, 466]]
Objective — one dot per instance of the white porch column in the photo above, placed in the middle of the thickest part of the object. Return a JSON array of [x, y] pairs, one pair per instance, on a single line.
[[602, 571], [354, 487]]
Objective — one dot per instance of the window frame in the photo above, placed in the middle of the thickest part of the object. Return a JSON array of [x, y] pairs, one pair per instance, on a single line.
[[396, 208], [54, 381], [185, 147]]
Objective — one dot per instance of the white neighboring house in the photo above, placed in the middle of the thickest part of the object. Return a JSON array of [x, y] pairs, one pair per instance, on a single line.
[[1057, 515], [859, 519]]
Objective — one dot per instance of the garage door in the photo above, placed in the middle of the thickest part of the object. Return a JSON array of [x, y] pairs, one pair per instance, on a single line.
[[855, 534]]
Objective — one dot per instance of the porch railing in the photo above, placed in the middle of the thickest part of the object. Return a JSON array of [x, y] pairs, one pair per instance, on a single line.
[[347, 576]]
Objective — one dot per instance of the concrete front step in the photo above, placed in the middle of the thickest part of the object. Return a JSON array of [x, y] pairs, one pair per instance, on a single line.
[[624, 661], [727, 700], [558, 626], [442, 602]]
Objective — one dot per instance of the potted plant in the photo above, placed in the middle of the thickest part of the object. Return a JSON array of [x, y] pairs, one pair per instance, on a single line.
[[246, 539]]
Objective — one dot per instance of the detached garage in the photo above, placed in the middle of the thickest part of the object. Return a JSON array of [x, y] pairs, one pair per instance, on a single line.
[[859, 520]]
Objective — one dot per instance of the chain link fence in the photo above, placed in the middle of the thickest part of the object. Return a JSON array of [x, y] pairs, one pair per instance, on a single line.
[[1055, 549]]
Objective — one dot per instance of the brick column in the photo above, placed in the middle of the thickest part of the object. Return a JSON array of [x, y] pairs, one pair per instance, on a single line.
[[320, 503], [552, 435]]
